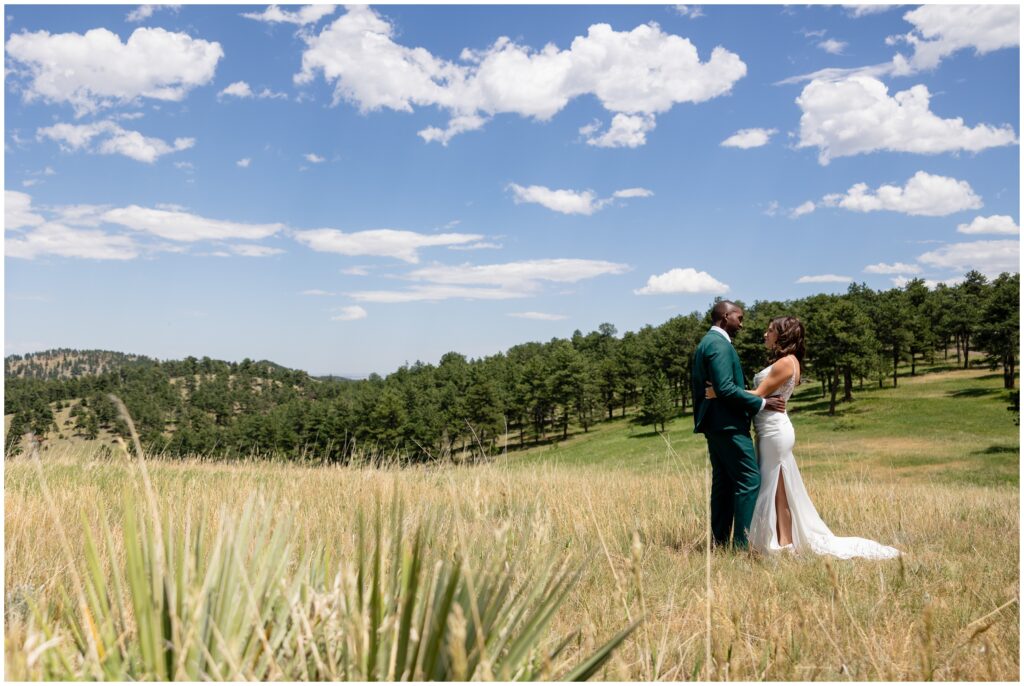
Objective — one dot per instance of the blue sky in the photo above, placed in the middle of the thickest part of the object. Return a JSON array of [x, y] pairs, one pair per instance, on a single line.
[[346, 190]]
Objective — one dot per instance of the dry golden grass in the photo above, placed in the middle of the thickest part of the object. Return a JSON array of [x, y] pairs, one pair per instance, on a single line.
[[947, 611]]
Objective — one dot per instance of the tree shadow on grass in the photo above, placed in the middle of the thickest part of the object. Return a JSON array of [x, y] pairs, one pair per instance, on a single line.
[[998, 450], [973, 392]]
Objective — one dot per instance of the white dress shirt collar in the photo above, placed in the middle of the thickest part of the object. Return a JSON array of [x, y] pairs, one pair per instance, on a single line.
[[721, 331]]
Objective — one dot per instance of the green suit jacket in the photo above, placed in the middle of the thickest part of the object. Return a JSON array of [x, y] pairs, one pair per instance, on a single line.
[[715, 360]]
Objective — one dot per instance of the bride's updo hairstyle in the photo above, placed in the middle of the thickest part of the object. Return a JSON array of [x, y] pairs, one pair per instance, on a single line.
[[789, 338]]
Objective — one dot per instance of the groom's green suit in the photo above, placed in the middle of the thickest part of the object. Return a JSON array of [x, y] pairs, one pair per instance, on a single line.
[[725, 423]]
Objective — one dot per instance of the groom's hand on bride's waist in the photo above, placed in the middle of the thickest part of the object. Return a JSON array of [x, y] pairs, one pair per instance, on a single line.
[[775, 404]]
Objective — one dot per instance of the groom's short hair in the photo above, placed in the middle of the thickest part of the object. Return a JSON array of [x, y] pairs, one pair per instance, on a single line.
[[720, 309]]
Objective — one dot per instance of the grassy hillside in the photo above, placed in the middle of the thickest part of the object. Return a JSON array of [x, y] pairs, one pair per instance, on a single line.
[[66, 363], [931, 468], [943, 424]]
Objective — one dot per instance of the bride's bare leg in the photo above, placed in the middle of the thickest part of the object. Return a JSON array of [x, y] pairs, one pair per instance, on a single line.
[[783, 517]]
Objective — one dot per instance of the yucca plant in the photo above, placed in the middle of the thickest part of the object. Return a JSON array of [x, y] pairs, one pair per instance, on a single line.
[[247, 603]]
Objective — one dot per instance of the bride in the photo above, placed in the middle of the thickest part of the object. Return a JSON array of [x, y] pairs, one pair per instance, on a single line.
[[784, 516]]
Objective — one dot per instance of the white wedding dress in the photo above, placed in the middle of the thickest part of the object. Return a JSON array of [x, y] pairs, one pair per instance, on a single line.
[[775, 439]]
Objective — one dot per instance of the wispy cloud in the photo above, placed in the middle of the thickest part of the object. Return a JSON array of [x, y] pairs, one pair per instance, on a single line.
[[540, 316], [186, 227], [492, 281], [112, 140], [989, 257], [402, 245], [825, 278], [144, 12], [833, 46], [242, 90], [310, 14], [894, 268], [568, 201], [801, 210], [349, 313]]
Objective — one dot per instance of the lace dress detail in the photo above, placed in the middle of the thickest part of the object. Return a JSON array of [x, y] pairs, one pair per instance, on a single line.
[[775, 441]]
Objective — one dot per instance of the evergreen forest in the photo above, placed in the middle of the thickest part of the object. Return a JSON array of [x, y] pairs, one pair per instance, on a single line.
[[531, 393]]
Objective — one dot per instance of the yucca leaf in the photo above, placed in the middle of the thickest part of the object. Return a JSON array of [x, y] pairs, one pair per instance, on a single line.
[[592, 664]]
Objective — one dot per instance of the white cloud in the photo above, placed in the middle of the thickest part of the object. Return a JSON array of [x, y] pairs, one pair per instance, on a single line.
[[640, 72], [356, 271], [570, 201], [749, 138], [686, 280], [18, 211], [182, 226], [941, 30], [492, 281], [112, 140], [772, 209], [142, 148], [316, 292], [833, 46], [858, 11], [80, 215], [62, 241], [241, 89], [930, 284], [997, 223], [805, 208], [95, 70], [310, 14], [457, 124], [540, 316], [28, 183], [267, 93], [989, 257], [824, 278], [244, 162], [526, 275], [633, 193], [252, 250], [691, 11], [435, 293], [483, 245], [350, 313], [856, 115], [402, 245], [144, 12], [564, 201], [626, 131], [895, 268], [238, 89], [313, 158], [923, 195]]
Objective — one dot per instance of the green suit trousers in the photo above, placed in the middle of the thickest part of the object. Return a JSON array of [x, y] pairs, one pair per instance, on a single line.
[[735, 481]]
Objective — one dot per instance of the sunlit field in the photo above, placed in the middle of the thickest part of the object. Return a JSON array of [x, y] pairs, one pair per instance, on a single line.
[[931, 468]]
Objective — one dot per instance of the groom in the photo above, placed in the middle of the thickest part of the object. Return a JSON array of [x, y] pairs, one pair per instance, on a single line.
[[725, 423]]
